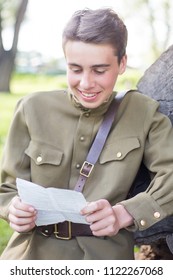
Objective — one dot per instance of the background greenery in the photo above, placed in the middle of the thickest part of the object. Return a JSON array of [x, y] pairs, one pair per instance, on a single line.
[[23, 84]]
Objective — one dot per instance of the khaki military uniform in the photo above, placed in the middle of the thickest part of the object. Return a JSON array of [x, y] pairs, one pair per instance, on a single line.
[[49, 139]]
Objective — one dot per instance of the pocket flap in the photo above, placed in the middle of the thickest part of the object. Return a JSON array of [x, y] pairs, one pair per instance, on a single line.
[[119, 149], [43, 153]]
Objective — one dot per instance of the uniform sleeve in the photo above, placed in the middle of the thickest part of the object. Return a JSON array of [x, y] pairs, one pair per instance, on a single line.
[[14, 161], [156, 203]]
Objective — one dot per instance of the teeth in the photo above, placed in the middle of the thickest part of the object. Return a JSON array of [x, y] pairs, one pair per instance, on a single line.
[[88, 94]]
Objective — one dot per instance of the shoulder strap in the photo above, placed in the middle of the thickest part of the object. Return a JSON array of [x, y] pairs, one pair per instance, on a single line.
[[99, 142]]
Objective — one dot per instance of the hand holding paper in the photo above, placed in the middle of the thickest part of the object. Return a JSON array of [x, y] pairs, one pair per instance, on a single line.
[[53, 205]]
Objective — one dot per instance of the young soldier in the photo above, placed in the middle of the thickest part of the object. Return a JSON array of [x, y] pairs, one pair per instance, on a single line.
[[51, 134]]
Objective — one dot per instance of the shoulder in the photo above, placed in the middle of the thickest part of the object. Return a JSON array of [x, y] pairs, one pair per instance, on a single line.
[[135, 98], [140, 97], [138, 108], [43, 100], [44, 96]]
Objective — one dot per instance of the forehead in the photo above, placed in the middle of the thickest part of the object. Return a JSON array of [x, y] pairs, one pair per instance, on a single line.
[[80, 52]]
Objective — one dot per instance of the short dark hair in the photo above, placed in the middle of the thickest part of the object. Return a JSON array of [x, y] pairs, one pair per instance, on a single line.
[[101, 26]]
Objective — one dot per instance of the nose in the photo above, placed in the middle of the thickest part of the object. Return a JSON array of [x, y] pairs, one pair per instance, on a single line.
[[87, 81]]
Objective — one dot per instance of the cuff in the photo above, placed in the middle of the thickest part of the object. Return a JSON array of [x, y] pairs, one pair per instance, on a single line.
[[145, 211]]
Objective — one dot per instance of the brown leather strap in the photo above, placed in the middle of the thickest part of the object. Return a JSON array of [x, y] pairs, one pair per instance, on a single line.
[[65, 230], [99, 142]]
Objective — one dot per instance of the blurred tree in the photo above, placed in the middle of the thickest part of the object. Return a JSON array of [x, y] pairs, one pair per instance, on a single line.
[[11, 13], [157, 16], [155, 20]]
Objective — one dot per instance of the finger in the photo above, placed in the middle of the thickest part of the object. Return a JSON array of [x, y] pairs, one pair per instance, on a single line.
[[100, 224], [107, 231], [94, 206], [104, 213], [90, 208], [21, 213], [21, 221], [18, 204], [23, 228], [103, 232]]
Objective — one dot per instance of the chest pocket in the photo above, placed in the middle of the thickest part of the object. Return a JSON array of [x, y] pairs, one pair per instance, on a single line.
[[42, 153], [119, 149]]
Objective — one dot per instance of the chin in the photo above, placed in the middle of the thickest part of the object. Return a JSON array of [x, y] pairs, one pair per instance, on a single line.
[[90, 105]]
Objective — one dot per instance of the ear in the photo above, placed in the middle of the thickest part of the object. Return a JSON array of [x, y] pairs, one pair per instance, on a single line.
[[123, 64]]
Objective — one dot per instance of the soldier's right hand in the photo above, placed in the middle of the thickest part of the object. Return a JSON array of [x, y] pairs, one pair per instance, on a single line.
[[21, 216]]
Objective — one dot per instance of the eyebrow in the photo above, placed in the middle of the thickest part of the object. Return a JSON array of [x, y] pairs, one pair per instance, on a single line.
[[100, 65], [93, 66]]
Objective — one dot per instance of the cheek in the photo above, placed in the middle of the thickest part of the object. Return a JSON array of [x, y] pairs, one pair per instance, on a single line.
[[71, 79], [109, 81]]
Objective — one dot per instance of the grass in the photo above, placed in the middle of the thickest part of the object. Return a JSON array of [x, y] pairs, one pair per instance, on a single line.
[[5, 234], [27, 83], [23, 84]]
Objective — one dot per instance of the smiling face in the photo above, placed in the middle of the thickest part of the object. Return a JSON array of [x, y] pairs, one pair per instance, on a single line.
[[92, 71]]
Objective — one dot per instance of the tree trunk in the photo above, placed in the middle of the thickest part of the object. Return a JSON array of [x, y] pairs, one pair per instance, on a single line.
[[7, 58], [157, 82], [6, 69]]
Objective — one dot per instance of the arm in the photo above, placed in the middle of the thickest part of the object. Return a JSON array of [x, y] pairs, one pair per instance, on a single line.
[[156, 202], [15, 164]]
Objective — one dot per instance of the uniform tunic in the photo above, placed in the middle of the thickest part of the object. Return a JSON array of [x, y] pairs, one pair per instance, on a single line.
[[48, 141]]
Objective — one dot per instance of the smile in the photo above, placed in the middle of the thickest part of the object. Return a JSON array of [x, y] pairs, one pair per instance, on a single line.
[[88, 95]]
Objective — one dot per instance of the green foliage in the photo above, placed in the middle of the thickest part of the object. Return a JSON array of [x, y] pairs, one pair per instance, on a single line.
[[129, 80], [5, 234]]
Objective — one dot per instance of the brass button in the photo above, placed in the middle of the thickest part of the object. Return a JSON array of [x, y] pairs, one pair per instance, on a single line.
[[82, 138], [119, 154], [143, 223], [87, 115], [78, 165], [39, 159], [157, 215]]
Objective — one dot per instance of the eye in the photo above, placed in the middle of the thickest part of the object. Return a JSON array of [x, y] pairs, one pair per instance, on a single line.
[[99, 71], [76, 70]]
